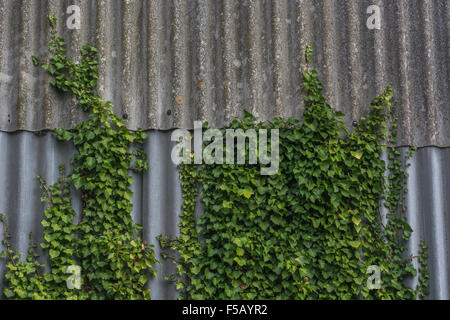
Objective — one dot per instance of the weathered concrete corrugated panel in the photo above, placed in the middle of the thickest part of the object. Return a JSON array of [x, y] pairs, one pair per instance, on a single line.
[[165, 63], [157, 199]]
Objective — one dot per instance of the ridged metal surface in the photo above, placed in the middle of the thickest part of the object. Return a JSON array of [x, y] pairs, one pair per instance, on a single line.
[[156, 194], [428, 214], [157, 199], [165, 63]]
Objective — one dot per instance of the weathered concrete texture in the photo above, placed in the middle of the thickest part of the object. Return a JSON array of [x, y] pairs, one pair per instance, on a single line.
[[166, 63]]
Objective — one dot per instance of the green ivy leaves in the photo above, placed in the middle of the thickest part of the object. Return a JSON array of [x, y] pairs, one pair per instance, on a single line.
[[115, 261], [308, 232]]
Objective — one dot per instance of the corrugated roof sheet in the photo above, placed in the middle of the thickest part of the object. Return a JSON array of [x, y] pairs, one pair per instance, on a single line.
[[157, 199], [167, 63]]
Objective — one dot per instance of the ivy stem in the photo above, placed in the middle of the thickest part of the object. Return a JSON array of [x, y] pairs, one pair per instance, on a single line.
[[7, 244], [47, 190]]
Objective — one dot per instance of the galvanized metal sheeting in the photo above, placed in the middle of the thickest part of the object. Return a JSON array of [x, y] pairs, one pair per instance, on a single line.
[[168, 63], [157, 199], [428, 213], [156, 195]]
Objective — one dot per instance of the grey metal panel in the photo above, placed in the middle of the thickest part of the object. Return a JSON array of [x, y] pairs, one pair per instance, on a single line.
[[157, 193], [157, 199], [429, 213], [222, 56]]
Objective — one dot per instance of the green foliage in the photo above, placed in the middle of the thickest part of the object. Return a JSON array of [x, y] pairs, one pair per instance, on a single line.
[[424, 276], [311, 230], [309, 53], [115, 261]]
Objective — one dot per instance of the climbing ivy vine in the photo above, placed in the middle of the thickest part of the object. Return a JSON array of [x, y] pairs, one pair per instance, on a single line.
[[310, 231], [106, 245]]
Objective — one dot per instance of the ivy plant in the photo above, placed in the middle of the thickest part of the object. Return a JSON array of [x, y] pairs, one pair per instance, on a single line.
[[308, 232], [105, 245], [312, 230]]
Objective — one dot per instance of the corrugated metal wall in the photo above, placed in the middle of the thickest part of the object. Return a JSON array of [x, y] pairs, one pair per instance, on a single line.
[[208, 59], [156, 194], [157, 199], [166, 63], [428, 213]]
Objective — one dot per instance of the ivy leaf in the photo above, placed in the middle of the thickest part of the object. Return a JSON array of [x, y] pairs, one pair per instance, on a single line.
[[102, 176], [356, 220], [355, 244], [53, 253], [128, 195], [308, 53], [227, 204], [306, 76], [248, 116], [239, 261], [35, 60], [356, 154], [246, 193], [179, 285]]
